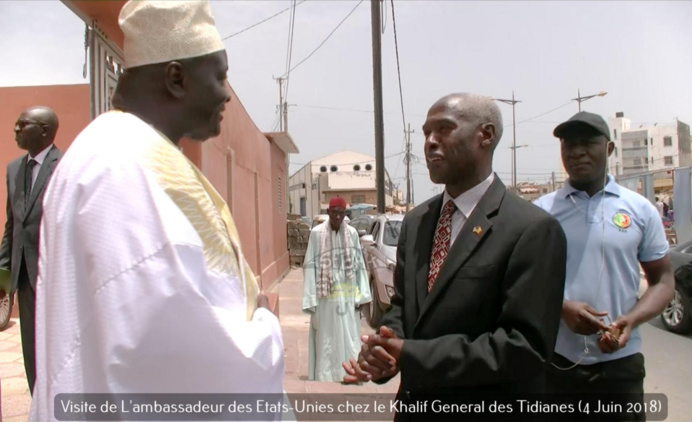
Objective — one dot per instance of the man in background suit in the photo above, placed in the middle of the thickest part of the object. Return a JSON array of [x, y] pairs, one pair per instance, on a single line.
[[479, 275], [27, 177]]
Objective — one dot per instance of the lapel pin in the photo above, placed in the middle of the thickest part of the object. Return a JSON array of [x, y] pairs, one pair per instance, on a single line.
[[478, 230]]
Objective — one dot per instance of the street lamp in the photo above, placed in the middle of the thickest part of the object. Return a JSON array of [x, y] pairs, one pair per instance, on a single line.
[[512, 102], [581, 99]]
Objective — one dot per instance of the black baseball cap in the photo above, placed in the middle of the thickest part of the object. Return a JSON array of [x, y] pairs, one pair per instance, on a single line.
[[582, 123]]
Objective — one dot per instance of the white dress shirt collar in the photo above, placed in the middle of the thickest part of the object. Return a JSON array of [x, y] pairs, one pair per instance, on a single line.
[[467, 201], [41, 156]]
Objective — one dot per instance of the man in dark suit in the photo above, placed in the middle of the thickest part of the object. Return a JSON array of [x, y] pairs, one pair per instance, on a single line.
[[479, 275], [27, 177]]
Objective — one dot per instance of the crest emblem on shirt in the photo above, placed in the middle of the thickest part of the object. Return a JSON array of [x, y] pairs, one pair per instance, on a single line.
[[622, 220]]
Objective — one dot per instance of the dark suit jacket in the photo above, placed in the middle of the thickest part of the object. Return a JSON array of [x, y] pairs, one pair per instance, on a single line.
[[490, 322], [22, 226]]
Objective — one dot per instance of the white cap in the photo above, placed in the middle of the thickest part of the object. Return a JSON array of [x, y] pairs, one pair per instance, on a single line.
[[163, 31]]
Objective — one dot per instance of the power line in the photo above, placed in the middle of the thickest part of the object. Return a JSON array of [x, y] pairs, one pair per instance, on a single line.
[[325, 40], [398, 69], [542, 114], [263, 21], [351, 109], [394, 155], [289, 51]]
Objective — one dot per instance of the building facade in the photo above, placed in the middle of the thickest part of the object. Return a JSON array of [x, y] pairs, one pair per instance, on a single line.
[[648, 148], [350, 175]]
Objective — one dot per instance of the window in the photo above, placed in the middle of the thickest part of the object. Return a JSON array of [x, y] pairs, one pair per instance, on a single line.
[[375, 230], [646, 141], [323, 169], [368, 167], [361, 224], [651, 141], [668, 141], [356, 167], [334, 168], [668, 160], [391, 233], [615, 151], [615, 133], [652, 160], [357, 199], [638, 161]]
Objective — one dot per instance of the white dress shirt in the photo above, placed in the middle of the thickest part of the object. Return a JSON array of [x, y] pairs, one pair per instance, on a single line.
[[466, 203], [40, 158]]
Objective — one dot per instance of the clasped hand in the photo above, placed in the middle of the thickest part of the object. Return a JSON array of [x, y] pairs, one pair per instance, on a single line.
[[378, 357]]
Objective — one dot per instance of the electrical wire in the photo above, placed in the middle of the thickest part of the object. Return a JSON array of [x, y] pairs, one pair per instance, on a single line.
[[352, 110], [325, 40], [542, 114], [398, 69], [263, 21], [289, 51]]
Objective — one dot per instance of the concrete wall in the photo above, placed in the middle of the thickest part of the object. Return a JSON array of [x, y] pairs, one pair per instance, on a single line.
[[300, 185], [70, 103]]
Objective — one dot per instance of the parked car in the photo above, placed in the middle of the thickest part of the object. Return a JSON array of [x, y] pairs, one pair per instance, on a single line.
[[362, 224], [677, 317], [379, 251]]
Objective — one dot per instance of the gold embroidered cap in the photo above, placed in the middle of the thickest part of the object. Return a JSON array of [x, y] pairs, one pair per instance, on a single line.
[[162, 31]]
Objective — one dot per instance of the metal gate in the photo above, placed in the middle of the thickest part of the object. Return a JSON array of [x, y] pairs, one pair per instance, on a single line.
[[105, 67]]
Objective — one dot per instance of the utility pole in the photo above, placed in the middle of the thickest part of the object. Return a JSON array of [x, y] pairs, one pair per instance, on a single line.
[[282, 105], [408, 168], [514, 147], [285, 117], [377, 88], [552, 181]]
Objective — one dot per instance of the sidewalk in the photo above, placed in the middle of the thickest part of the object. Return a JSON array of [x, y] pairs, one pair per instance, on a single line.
[[295, 325], [16, 399]]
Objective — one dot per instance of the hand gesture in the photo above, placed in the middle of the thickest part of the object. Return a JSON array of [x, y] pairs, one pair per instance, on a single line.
[[582, 318], [263, 301], [617, 335]]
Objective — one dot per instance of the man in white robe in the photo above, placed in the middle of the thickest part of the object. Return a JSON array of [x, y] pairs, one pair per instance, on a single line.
[[142, 283], [335, 285]]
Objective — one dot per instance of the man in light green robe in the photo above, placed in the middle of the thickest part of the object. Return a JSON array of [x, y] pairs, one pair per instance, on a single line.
[[335, 285]]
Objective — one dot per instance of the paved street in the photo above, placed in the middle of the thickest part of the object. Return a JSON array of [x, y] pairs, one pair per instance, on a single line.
[[15, 390], [668, 360], [295, 326]]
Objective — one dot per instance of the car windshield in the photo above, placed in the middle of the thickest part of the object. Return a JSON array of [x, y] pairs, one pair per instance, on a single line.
[[361, 224], [391, 233]]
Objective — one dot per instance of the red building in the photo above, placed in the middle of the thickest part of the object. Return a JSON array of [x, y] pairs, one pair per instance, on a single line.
[[247, 167]]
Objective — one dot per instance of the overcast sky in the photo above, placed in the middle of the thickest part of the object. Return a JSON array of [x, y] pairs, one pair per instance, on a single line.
[[639, 52]]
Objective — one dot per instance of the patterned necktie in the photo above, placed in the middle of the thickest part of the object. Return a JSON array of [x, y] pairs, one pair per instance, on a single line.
[[443, 235], [28, 177]]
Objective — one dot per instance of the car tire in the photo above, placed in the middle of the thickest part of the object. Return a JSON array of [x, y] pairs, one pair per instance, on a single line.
[[677, 316], [6, 303], [374, 309]]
